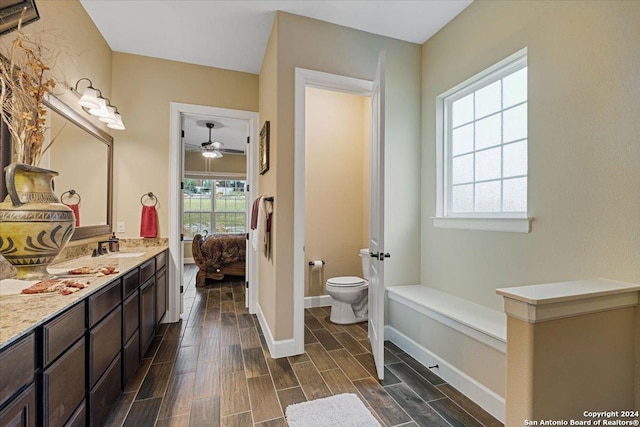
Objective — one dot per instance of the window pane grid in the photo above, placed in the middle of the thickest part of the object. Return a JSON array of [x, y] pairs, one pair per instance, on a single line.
[[492, 124], [215, 205]]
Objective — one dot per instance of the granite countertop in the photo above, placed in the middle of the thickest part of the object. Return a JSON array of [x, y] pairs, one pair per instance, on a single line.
[[20, 313]]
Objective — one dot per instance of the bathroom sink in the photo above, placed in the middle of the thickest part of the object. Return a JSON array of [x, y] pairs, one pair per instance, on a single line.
[[125, 255]]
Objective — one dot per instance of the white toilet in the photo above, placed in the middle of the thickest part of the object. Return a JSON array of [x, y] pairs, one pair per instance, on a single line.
[[349, 295]]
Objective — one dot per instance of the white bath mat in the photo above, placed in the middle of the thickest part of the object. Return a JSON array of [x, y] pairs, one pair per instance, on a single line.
[[344, 410]]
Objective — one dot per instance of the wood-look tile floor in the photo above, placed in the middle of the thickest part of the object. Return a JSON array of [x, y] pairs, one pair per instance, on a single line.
[[213, 368]]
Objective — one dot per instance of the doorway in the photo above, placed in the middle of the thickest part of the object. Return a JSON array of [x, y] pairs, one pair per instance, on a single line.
[[337, 133], [201, 115], [309, 79]]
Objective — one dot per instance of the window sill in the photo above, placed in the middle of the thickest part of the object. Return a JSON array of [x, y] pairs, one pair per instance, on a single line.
[[510, 225]]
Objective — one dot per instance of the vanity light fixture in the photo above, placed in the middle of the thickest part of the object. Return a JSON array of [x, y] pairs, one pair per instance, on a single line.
[[94, 103]]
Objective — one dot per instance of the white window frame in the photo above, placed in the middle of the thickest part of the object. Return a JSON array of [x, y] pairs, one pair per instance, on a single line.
[[215, 176], [490, 221]]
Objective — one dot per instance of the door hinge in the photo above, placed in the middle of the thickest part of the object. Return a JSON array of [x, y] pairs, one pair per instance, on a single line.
[[247, 236], [182, 185], [181, 289], [248, 140], [247, 284], [182, 133], [182, 237], [248, 186]]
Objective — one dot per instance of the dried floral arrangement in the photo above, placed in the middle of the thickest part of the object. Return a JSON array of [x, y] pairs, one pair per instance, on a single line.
[[25, 82]]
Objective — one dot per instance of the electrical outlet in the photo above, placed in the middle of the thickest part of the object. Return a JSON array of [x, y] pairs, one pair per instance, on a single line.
[[120, 226]]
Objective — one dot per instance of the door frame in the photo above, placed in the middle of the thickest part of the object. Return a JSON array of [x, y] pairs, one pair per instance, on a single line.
[[176, 174], [309, 78]]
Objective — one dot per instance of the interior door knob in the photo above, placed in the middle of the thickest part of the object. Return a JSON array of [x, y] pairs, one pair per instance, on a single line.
[[374, 254]]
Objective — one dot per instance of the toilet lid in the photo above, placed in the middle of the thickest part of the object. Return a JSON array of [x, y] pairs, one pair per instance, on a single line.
[[346, 281]]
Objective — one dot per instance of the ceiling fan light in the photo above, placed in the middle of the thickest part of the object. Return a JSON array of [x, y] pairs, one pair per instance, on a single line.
[[217, 145]]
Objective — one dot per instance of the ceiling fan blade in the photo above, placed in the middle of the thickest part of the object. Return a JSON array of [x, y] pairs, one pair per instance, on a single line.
[[231, 151]]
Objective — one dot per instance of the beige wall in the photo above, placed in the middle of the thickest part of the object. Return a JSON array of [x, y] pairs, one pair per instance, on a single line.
[[143, 89], [77, 50], [232, 163], [317, 45], [558, 369], [335, 151], [268, 292], [584, 180]]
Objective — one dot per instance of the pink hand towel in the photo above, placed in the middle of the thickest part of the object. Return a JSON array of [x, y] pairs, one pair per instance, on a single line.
[[149, 222]]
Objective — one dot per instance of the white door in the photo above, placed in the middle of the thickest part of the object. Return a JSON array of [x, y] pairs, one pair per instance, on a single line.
[[376, 224]]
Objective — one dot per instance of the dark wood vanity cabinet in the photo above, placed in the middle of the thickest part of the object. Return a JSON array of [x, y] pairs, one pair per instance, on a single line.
[[17, 372], [71, 370], [147, 313], [161, 294], [21, 411]]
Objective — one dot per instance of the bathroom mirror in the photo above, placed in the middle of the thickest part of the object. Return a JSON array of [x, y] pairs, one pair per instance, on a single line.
[[82, 154]]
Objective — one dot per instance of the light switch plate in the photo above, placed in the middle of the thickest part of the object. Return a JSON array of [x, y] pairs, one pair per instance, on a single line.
[[120, 226]]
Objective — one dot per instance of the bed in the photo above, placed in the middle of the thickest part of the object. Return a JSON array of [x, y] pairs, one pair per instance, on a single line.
[[219, 255]]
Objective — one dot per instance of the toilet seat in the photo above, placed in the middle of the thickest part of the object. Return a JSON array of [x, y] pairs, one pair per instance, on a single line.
[[346, 281]]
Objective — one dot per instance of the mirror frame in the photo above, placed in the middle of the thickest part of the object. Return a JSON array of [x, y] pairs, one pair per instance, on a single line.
[[77, 118]]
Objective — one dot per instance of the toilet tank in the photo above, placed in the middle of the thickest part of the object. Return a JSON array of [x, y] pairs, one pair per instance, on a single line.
[[366, 261]]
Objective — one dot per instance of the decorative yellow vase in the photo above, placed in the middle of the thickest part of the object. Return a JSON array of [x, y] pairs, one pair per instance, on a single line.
[[34, 225]]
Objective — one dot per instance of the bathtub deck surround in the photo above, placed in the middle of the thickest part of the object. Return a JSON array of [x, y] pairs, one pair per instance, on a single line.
[[593, 325], [432, 326]]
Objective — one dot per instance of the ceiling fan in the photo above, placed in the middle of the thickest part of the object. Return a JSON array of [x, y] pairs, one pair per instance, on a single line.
[[214, 149]]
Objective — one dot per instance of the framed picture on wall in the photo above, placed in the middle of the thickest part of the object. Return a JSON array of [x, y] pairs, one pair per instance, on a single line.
[[264, 148], [11, 11]]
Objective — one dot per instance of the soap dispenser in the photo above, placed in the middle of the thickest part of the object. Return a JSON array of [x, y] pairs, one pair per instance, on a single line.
[[114, 243]]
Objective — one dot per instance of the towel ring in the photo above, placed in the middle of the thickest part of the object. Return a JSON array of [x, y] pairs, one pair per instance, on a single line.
[[151, 196], [71, 193]]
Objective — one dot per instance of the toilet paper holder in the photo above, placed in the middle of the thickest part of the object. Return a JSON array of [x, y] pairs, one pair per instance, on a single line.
[[313, 262]]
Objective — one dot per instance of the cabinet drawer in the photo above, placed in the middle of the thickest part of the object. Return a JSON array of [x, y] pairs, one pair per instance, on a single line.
[[104, 301], [17, 366], [147, 313], [103, 398], [161, 260], [63, 386], [161, 295], [130, 283], [79, 418], [105, 341], [130, 358], [22, 411], [147, 270], [61, 332], [131, 311]]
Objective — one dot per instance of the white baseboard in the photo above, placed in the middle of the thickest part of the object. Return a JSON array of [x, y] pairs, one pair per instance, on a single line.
[[481, 395], [189, 261], [317, 301], [281, 348]]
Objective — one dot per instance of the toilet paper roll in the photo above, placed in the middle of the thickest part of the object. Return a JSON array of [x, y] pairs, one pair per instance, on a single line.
[[316, 264]]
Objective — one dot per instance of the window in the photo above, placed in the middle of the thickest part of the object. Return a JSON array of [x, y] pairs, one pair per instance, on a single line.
[[483, 144], [215, 205]]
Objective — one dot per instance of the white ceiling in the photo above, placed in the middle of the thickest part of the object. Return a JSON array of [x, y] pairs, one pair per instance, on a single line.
[[231, 132], [233, 34]]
